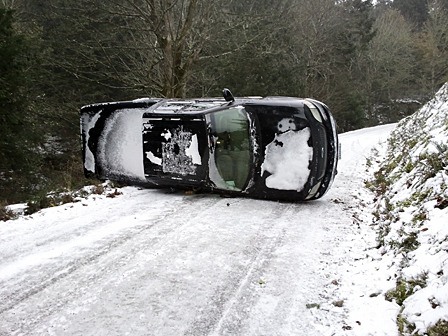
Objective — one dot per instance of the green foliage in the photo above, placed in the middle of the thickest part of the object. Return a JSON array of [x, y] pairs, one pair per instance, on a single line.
[[405, 288], [19, 131], [353, 115], [404, 327], [312, 305], [420, 217], [12, 80], [439, 329], [416, 199], [433, 163], [380, 182], [408, 243], [47, 201], [407, 328], [39, 102], [408, 167]]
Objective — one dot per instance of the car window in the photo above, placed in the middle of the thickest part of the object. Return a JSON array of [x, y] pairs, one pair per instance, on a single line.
[[230, 150]]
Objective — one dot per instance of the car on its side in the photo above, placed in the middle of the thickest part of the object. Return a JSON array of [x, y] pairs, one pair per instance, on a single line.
[[279, 148]]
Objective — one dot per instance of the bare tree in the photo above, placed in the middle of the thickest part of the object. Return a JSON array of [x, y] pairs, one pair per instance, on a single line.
[[433, 45], [164, 40], [9, 4], [150, 46], [169, 37], [315, 27], [390, 55], [388, 67]]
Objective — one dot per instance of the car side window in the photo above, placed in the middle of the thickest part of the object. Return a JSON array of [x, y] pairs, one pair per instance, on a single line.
[[230, 149]]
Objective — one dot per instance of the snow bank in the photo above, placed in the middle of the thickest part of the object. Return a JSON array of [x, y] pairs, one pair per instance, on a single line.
[[412, 215]]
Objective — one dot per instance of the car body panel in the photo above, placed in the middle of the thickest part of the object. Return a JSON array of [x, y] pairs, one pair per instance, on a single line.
[[278, 148]]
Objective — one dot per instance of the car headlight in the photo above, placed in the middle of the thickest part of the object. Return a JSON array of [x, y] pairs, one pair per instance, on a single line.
[[314, 190], [314, 111]]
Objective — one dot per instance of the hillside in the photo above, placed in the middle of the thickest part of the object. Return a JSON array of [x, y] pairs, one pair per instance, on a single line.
[[411, 218]]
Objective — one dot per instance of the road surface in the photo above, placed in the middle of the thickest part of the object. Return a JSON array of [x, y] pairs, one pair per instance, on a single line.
[[152, 263]]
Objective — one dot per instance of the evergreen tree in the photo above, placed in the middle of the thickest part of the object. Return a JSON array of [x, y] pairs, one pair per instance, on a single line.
[[18, 136], [390, 64], [351, 96]]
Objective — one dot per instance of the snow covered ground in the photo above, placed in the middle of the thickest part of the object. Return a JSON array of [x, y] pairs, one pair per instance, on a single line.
[[147, 262]]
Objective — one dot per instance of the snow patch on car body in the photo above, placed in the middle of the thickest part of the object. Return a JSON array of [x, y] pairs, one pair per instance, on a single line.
[[193, 150], [167, 135], [87, 123], [286, 124], [154, 159], [120, 146], [180, 154], [287, 159]]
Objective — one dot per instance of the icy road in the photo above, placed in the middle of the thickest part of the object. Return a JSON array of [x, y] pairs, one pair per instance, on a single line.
[[152, 263]]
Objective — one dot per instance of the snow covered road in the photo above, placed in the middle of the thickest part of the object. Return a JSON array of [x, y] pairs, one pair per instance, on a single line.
[[151, 263]]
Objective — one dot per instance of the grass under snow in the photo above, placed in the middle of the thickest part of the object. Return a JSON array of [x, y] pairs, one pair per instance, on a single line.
[[411, 217]]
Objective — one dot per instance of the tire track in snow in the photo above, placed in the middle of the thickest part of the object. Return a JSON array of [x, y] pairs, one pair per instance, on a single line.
[[43, 234], [18, 290], [238, 291]]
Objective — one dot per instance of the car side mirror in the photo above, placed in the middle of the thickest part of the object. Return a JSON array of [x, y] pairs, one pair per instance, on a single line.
[[227, 94]]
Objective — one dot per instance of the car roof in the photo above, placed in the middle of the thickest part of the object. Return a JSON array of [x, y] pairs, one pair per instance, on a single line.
[[205, 104], [187, 105], [196, 105]]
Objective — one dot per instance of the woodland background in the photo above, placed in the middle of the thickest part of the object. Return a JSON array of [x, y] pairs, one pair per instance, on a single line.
[[372, 63]]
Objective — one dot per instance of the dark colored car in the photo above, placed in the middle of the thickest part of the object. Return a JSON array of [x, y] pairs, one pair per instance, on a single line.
[[277, 148]]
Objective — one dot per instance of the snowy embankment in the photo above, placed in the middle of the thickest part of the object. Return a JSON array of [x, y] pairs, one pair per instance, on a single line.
[[411, 216]]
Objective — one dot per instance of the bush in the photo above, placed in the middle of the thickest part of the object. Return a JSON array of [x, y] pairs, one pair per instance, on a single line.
[[405, 288], [5, 213], [440, 329]]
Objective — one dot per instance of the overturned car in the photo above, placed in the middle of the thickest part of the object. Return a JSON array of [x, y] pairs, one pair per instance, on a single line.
[[278, 148]]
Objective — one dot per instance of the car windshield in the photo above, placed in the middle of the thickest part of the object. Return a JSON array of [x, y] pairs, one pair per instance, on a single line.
[[230, 155]]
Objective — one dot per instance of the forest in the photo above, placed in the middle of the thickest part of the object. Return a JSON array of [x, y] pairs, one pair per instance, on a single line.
[[372, 62]]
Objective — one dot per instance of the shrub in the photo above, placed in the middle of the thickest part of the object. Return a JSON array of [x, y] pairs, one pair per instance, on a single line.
[[405, 288], [5, 213], [440, 329]]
